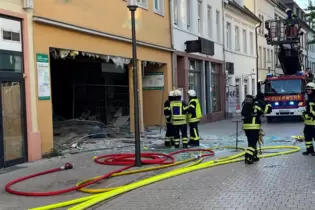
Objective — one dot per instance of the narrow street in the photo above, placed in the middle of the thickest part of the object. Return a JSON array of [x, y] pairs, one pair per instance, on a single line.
[[282, 182]]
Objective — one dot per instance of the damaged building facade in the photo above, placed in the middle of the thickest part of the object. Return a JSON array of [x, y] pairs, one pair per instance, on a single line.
[[84, 67]]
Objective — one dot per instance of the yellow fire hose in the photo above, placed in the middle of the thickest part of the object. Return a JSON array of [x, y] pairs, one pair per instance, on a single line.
[[88, 201]]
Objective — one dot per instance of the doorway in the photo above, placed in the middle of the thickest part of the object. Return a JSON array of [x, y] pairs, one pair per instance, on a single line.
[[12, 110], [12, 122]]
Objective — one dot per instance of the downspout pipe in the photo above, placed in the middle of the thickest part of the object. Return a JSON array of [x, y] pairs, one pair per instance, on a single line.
[[224, 59], [257, 54], [172, 42]]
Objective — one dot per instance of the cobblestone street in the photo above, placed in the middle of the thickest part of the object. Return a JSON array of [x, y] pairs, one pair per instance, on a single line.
[[283, 182]]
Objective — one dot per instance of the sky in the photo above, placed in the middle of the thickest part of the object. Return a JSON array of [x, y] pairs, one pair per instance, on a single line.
[[302, 3]]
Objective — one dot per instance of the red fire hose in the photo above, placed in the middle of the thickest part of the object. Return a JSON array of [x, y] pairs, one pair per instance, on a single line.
[[111, 159]]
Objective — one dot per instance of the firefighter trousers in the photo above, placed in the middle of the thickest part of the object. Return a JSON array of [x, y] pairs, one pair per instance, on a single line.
[[169, 135], [180, 129], [252, 138], [309, 135], [194, 134]]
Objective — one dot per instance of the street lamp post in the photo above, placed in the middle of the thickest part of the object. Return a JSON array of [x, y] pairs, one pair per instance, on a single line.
[[132, 6]]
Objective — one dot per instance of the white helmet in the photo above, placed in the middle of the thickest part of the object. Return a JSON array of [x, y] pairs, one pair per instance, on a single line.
[[177, 93], [171, 93], [191, 93], [310, 86], [288, 10]]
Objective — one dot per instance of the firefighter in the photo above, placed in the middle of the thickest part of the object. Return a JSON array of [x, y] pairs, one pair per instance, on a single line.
[[292, 26], [168, 141], [252, 111], [309, 119], [179, 115], [193, 118]]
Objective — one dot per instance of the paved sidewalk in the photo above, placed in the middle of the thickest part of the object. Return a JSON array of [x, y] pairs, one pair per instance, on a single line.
[[279, 183]]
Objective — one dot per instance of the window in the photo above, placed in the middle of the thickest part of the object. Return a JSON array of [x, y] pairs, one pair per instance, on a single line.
[[159, 6], [237, 38], [10, 62], [271, 57], [199, 16], [262, 26], [188, 9], [11, 36], [246, 89], [215, 88], [253, 87], [218, 25], [143, 3], [175, 5], [244, 41], [264, 59], [209, 14], [260, 57], [251, 43], [194, 76], [228, 36]]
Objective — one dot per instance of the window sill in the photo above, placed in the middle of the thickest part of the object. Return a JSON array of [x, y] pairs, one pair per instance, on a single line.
[[158, 12], [143, 7]]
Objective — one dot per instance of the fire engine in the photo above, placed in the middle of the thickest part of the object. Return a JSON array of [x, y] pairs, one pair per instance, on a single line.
[[286, 93]]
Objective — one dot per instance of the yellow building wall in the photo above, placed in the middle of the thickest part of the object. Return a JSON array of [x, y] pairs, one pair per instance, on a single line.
[[250, 4], [47, 36], [110, 16], [16, 6]]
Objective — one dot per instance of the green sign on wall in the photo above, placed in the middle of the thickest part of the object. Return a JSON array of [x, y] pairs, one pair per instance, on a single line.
[[43, 76]]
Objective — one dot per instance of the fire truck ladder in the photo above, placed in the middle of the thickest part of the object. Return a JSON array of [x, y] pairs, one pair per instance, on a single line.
[[286, 36]]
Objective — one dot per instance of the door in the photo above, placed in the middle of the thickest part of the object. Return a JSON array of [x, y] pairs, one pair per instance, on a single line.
[[12, 122]]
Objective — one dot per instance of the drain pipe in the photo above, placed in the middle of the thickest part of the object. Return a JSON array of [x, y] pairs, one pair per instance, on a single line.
[[224, 61], [257, 55], [172, 42]]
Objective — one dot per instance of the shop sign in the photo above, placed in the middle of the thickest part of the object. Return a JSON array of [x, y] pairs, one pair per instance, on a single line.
[[43, 76], [153, 81], [284, 98]]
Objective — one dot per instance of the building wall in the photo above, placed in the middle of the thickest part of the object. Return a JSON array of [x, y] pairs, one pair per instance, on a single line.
[[311, 52], [110, 16], [188, 25], [100, 19], [14, 8], [241, 50]]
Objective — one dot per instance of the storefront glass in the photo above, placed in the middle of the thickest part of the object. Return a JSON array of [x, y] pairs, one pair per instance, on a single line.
[[215, 87], [194, 76], [10, 62]]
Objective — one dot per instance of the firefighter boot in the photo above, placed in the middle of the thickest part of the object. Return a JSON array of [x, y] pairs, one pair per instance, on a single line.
[[176, 144], [255, 157], [248, 159], [172, 142], [193, 143], [185, 145], [167, 144]]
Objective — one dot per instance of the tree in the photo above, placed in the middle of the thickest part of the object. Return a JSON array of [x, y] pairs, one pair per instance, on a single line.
[[310, 18]]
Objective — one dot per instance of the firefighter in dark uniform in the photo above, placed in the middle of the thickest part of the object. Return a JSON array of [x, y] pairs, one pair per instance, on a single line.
[[179, 115], [193, 118], [252, 123], [168, 141], [309, 119]]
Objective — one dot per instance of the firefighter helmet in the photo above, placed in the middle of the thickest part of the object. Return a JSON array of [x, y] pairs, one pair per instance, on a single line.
[[191, 93], [288, 10], [171, 93], [310, 86], [177, 93]]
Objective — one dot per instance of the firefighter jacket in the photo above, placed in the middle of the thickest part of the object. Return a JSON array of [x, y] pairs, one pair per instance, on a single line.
[[178, 112], [167, 110], [194, 110], [309, 114], [253, 122]]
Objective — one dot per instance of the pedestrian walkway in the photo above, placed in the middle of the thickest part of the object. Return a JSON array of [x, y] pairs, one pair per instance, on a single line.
[[279, 183]]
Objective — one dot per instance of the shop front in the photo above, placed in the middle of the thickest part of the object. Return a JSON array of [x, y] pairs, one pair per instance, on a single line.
[[13, 132], [91, 78], [206, 77]]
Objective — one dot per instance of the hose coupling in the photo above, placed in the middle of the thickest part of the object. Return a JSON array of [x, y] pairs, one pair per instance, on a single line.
[[67, 166], [197, 157]]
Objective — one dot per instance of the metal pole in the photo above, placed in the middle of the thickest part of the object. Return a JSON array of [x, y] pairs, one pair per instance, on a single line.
[[136, 91], [236, 136]]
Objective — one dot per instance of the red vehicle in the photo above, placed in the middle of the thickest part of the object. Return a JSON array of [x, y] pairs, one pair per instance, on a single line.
[[286, 93]]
